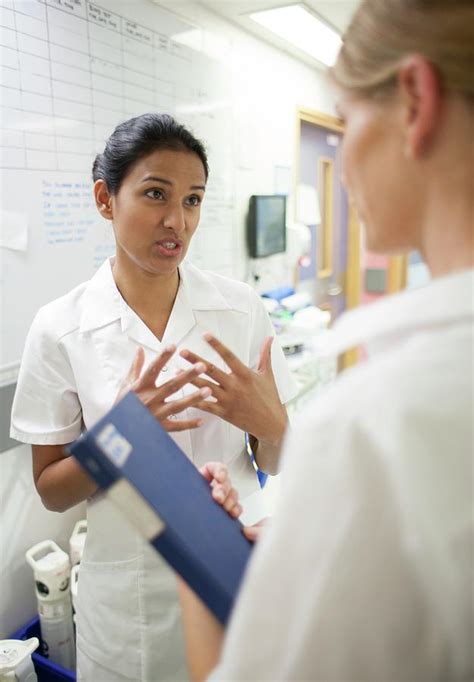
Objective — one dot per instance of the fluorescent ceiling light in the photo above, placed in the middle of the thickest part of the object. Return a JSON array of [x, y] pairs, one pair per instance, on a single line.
[[303, 30]]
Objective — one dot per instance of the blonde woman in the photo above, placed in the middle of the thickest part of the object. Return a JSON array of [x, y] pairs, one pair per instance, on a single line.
[[366, 571]]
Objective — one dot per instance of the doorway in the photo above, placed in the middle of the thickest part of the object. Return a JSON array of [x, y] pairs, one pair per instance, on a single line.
[[339, 273]]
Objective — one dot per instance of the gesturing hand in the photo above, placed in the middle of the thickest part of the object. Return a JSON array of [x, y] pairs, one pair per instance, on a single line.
[[154, 397], [246, 398]]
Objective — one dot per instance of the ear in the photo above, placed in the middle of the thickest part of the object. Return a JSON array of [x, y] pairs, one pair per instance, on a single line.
[[420, 90], [103, 199]]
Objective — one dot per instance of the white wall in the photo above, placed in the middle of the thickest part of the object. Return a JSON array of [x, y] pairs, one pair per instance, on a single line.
[[267, 88]]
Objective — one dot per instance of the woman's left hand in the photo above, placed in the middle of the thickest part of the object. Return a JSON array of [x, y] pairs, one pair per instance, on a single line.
[[246, 398], [223, 493]]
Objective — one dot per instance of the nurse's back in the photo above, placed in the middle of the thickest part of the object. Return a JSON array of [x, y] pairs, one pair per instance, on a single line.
[[376, 584]]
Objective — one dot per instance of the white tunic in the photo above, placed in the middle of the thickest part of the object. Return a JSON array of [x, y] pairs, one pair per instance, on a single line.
[[366, 572], [77, 353]]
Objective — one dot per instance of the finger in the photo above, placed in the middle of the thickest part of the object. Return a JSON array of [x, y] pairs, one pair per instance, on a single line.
[[265, 359], [217, 392], [231, 360], [201, 383], [177, 406], [218, 494], [172, 425], [152, 371], [177, 382], [133, 374], [214, 471], [236, 511], [252, 533], [136, 366], [210, 406], [231, 500], [223, 487], [225, 495], [211, 370]]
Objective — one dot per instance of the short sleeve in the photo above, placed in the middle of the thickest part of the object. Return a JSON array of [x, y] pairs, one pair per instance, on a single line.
[[46, 408], [261, 328]]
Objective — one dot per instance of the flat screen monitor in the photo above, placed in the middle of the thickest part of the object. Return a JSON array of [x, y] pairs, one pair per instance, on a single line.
[[266, 225]]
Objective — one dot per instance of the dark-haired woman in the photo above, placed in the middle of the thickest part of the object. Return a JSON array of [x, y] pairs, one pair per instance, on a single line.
[[136, 311]]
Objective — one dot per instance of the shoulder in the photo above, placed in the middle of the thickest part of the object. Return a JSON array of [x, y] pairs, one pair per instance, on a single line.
[[409, 400], [237, 294], [61, 316]]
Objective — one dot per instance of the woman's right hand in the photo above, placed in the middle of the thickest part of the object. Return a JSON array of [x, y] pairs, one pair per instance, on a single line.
[[154, 397]]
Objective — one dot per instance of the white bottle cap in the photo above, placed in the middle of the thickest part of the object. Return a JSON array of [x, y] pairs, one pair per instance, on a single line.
[[52, 570], [14, 651]]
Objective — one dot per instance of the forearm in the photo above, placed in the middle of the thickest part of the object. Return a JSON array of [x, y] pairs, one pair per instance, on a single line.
[[63, 484], [203, 634], [267, 451]]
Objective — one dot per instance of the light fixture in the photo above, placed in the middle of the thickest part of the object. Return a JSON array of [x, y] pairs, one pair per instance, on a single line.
[[303, 29]]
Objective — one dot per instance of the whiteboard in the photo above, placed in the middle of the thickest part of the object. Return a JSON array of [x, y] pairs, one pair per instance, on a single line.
[[71, 70]]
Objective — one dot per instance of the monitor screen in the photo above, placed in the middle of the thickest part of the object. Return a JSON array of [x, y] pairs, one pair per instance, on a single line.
[[267, 225]]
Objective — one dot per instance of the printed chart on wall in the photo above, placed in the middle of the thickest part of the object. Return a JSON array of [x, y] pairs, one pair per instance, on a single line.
[[71, 71]]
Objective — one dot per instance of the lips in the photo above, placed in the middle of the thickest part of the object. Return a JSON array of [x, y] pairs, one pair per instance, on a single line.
[[169, 247]]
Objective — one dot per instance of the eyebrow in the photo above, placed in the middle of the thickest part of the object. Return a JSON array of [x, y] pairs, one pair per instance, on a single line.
[[155, 178]]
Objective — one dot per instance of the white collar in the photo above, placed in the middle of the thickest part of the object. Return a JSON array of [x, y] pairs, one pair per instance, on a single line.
[[202, 292], [440, 303], [104, 304]]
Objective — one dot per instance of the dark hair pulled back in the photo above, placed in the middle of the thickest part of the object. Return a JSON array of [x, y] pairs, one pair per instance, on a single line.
[[138, 137]]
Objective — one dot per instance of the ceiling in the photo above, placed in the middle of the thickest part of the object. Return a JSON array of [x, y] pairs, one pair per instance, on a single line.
[[337, 13]]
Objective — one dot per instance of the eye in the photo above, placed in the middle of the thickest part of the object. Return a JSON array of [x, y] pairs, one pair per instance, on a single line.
[[193, 200], [154, 193]]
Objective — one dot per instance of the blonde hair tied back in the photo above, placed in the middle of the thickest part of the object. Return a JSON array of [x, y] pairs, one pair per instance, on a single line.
[[383, 32]]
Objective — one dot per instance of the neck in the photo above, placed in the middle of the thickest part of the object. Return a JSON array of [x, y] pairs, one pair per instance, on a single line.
[[448, 205], [150, 295], [447, 240]]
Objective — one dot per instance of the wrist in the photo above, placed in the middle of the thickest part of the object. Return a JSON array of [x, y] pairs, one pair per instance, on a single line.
[[274, 438]]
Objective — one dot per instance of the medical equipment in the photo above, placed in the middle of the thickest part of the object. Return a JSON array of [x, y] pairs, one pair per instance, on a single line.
[[15, 660], [296, 301], [266, 225], [76, 541], [52, 571], [74, 580]]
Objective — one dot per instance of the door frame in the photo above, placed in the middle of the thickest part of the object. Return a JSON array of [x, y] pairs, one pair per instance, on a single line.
[[351, 279]]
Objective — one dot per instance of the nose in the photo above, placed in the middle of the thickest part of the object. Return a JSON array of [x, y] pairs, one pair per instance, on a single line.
[[174, 218]]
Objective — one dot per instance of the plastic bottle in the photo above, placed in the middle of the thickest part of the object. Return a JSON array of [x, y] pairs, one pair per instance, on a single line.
[[15, 660], [52, 572], [76, 542]]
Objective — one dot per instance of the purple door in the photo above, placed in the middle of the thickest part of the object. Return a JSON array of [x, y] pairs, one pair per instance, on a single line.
[[320, 168]]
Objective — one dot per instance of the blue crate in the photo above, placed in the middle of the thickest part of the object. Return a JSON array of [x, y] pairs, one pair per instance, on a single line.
[[46, 670]]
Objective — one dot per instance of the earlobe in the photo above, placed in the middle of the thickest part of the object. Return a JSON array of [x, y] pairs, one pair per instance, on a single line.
[[420, 89], [103, 199]]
